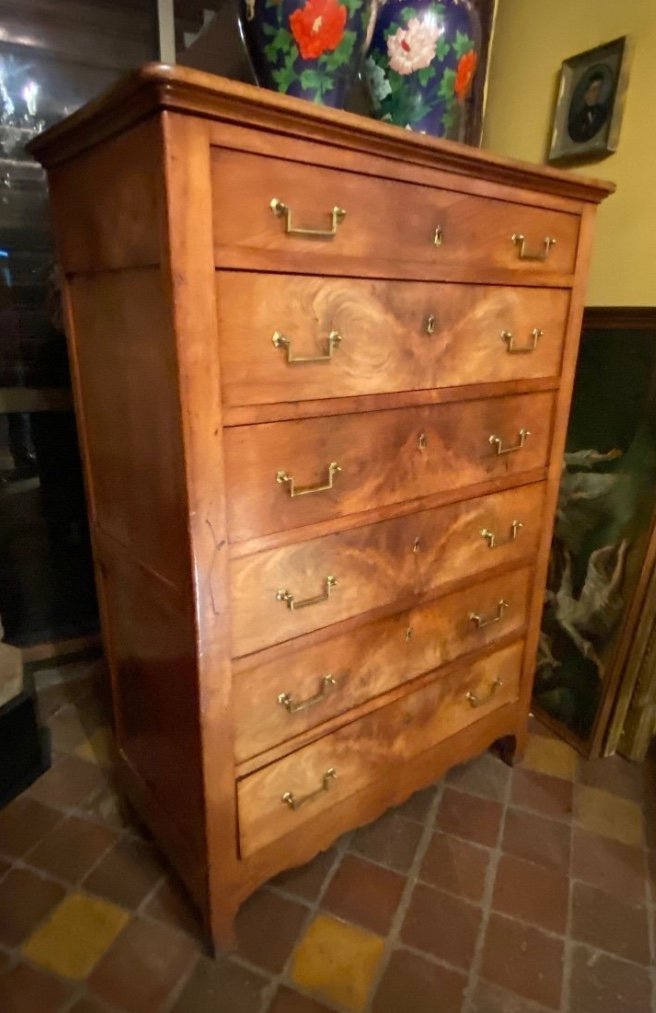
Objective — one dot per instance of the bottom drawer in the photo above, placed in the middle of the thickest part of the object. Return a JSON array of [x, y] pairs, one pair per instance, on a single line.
[[285, 795]]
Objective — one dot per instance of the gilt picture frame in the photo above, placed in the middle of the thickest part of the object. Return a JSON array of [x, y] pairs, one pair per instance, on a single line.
[[590, 102]]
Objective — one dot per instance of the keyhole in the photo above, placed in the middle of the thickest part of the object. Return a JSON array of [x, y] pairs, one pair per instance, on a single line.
[[409, 633], [430, 323], [438, 237], [416, 545], [423, 441]]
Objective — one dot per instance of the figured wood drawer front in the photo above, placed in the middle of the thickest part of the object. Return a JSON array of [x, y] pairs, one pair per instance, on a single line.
[[285, 337], [386, 222], [283, 796], [377, 564], [282, 698], [285, 475]]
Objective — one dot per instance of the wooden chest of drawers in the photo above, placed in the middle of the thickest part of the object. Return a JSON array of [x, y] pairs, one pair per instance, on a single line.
[[322, 371]]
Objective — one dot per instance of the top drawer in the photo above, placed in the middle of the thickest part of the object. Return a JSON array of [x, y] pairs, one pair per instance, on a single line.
[[398, 228]]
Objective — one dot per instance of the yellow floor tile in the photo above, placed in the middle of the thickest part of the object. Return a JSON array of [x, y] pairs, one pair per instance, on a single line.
[[602, 813], [97, 748], [338, 961], [77, 934], [550, 756]]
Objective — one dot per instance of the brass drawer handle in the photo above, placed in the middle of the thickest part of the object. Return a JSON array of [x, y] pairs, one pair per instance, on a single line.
[[328, 683], [281, 210], [282, 478], [478, 701], [483, 621], [491, 538], [293, 605], [497, 441], [526, 254], [326, 782], [280, 341], [513, 349]]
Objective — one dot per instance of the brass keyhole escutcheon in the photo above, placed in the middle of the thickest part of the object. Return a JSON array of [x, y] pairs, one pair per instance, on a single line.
[[409, 634], [431, 324], [422, 442], [416, 545]]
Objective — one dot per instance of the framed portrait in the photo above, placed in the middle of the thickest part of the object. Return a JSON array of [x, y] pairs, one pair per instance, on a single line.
[[590, 102]]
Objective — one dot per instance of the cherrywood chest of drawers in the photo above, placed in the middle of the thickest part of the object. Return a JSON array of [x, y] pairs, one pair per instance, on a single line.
[[322, 371]]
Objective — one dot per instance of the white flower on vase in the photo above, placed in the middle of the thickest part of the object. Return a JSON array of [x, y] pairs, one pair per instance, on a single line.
[[378, 82], [413, 48]]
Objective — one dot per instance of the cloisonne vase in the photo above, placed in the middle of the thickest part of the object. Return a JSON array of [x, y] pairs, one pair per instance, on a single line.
[[421, 64], [308, 48]]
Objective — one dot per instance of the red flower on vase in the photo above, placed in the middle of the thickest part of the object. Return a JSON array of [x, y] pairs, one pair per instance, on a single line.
[[318, 27], [465, 75]]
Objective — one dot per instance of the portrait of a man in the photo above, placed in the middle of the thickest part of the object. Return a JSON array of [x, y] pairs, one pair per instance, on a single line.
[[590, 102], [590, 105]]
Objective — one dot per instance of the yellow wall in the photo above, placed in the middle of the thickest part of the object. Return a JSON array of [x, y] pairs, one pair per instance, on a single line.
[[532, 38]]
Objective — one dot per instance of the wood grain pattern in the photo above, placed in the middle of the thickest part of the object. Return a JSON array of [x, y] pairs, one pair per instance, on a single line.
[[395, 336], [370, 660], [387, 223], [382, 457], [377, 564], [361, 752]]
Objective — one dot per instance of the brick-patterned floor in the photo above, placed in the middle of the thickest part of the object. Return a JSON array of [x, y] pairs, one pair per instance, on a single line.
[[494, 891]]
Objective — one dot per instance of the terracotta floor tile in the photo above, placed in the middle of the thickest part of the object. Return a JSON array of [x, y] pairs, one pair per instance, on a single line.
[[391, 840], [524, 960], [337, 962], [71, 849], [288, 1001], [75, 936], [104, 805], [550, 756], [491, 999], [455, 866], [487, 776], [600, 983], [268, 927], [417, 806], [67, 730], [98, 747], [364, 893], [538, 840], [602, 813], [412, 983], [140, 970], [172, 905], [550, 796], [607, 922], [221, 984], [126, 874], [610, 865], [613, 774], [476, 819], [68, 783], [442, 925], [23, 823], [25, 900], [24, 989], [307, 880], [531, 893]]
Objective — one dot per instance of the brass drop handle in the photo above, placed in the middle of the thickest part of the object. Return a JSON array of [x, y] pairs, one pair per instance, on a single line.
[[282, 478], [282, 210], [491, 538], [478, 701], [292, 706], [514, 349], [293, 605], [483, 621], [497, 441], [280, 341], [326, 783], [526, 254]]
